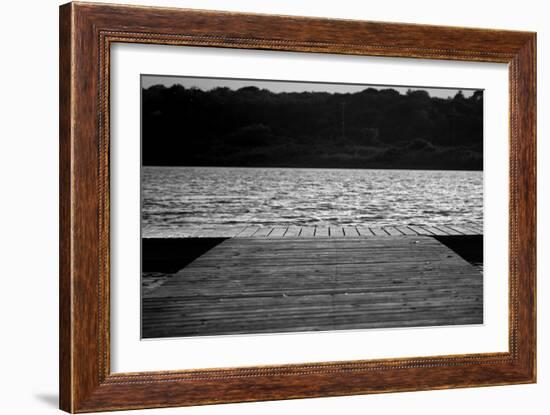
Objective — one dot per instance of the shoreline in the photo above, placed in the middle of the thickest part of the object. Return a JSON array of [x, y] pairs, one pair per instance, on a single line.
[[301, 167]]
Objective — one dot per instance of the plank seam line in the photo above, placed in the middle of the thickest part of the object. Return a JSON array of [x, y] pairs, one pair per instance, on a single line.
[[453, 227], [442, 230], [399, 230]]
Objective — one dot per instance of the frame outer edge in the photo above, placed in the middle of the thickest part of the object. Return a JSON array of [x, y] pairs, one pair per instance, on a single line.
[[82, 387], [523, 113], [66, 120], [84, 231], [527, 121], [534, 213]]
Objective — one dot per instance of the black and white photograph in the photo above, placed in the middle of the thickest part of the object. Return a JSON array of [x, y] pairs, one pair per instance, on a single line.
[[277, 206]]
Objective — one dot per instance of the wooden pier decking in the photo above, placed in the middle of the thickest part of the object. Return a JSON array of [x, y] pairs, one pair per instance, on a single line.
[[331, 231], [318, 278]]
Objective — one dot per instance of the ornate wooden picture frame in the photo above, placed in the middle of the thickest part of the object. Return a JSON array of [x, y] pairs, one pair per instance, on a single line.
[[87, 32]]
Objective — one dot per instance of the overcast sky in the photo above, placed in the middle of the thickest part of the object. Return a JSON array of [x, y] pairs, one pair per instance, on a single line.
[[285, 86]]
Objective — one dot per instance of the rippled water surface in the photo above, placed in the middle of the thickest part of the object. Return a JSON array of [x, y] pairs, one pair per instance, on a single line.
[[178, 200]]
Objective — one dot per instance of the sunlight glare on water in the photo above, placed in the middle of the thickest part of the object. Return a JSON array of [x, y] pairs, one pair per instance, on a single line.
[[177, 200]]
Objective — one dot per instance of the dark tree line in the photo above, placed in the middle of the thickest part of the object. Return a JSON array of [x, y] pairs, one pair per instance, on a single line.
[[368, 129]]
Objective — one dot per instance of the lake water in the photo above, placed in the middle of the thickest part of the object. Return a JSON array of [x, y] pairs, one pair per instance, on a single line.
[[178, 200]]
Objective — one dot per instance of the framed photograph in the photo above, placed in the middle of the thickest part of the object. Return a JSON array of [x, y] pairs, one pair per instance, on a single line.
[[258, 207]]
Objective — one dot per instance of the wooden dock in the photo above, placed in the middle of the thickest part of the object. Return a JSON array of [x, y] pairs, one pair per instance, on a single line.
[[271, 280], [330, 231]]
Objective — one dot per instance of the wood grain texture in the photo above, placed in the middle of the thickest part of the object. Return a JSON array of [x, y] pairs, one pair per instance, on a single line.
[[86, 33], [277, 285], [66, 398]]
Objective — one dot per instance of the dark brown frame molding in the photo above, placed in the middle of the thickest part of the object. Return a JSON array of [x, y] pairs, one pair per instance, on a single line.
[[86, 33]]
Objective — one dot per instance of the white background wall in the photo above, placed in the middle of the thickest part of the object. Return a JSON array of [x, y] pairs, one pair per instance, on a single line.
[[28, 206]]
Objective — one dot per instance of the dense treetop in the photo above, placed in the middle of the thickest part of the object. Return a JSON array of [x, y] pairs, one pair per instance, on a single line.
[[256, 127]]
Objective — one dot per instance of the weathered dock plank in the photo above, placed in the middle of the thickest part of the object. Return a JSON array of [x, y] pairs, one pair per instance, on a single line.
[[441, 231], [322, 231], [406, 230], [420, 230], [350, 231], [434, 230], [263, 232], [277, 232], [470, 230], [379, 232], [462, 229], [217, 232], [248, 231], [308, 231], [293, 231], [477, 228], [364, 231], [392, 231], [449, 230], [263, 284]]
